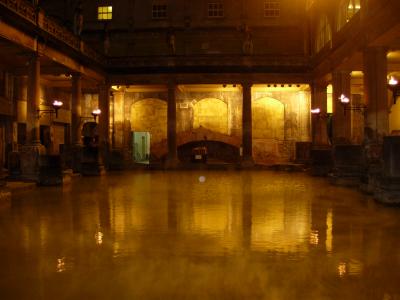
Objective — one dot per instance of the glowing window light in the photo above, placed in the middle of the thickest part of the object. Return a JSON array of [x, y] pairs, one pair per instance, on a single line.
[[104, 13]]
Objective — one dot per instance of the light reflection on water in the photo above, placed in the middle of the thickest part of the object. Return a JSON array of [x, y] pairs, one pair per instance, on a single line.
[[256, 233]]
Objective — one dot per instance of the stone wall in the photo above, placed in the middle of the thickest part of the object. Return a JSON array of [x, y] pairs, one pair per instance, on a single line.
[[280, 119]]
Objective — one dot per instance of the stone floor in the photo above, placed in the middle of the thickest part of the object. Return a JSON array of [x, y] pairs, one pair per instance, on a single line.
[[198, 235]]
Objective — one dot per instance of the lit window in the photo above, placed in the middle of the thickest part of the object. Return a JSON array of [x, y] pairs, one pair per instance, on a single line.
[[352, 8], [104, 13], [159, 11], [215, 10], [347, 9], [272, 8], [323, 34]]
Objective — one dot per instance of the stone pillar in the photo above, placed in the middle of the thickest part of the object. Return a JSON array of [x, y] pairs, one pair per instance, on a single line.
[[247, 135], [172, 159], [32, 124], [376, 94], [76, 110], [319, 122], [119, 140], [341, 84], [32, 151], [104, 118]]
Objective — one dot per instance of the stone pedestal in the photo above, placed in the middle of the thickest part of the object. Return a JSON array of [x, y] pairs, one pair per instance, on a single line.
[[321, 161], [372, 169], [14, 165], [29, 161], [303, 152], [91, 164], [387, 188], [348, 165], [75, 158], [50, 170]]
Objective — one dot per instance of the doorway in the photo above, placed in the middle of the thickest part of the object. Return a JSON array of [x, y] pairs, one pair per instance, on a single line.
[[141, 147]]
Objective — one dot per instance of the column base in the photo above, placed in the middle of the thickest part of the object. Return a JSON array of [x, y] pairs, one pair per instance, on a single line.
[[387, 191], [171, 163], [247, 163], [75, 158], [29, 161], [5, 197], [91, 164]]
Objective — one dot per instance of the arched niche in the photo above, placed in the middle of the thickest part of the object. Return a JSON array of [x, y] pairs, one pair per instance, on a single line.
[[150, 115], [268, 119], [268, 130], [211, 113]]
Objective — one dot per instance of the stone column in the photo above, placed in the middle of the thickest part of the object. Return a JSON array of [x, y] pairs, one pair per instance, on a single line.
[[76, 110], [172, 158], [319, 122], [31, 152], [376, 94], [341, 84], [32, 124], [118, 119], [104, 120], [247, 132]]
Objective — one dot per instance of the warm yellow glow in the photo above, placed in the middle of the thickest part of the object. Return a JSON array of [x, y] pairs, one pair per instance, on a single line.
[[344, 99], [99, 237], [329, 226], [60, 265], [329, 100], [393, 81], [268, 119], [150, 115], [104, 13], [314, 237], [96, 112], [315, 111], [212, 114], [342, 269], [57, 103]]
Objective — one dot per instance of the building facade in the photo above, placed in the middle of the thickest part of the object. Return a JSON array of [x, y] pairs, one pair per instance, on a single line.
[[239, 76]]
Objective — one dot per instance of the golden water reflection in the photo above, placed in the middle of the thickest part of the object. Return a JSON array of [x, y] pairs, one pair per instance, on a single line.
[[275, 229]]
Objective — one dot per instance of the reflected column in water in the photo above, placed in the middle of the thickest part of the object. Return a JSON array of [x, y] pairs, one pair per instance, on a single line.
[[247, 204], [172, 205]]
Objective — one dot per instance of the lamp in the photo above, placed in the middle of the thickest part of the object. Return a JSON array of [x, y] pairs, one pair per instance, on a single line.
[[345, 101], [393, 85], [95, 113], [316, 112], [56, 106]]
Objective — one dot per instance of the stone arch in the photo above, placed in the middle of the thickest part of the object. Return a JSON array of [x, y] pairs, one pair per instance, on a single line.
[[268, 119], [212, 114], [150, 115], [268, 129]]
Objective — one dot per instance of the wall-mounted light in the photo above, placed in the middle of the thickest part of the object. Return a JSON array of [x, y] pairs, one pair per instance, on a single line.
[[95, 113], [345, 101], [393, 85], [56, 106], [316, 112]]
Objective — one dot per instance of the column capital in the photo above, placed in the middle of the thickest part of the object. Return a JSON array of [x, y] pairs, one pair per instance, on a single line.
[[246, 84]]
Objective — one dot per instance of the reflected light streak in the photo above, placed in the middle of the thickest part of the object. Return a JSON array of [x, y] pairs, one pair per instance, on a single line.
[[99, 237], [342, 269], [60, 265], [328, 242], [314, 237]]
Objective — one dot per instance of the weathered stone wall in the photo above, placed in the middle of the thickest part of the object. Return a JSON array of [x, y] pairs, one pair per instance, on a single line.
[[279, 120], [150, 115]]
